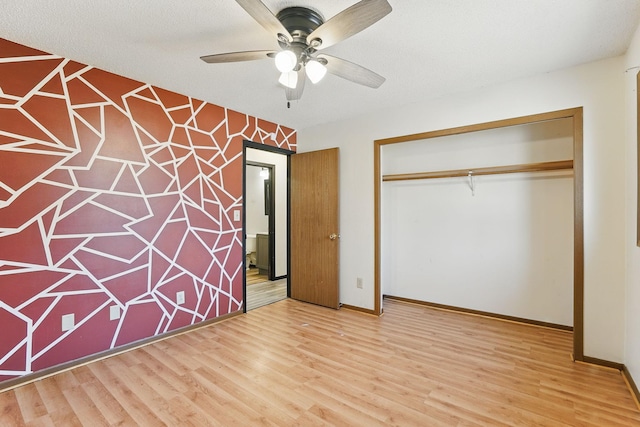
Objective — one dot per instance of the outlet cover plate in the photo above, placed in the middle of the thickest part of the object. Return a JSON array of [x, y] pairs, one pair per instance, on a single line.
[[114, 312], [180, 297], [68, 322]]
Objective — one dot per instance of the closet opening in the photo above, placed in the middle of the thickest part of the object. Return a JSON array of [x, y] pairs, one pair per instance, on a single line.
[[485, 219]]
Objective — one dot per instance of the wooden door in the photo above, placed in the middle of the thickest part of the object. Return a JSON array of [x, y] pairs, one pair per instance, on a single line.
[[314, 228]]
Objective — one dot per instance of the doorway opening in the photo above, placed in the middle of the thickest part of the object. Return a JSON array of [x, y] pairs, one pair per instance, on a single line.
[[265, 224]]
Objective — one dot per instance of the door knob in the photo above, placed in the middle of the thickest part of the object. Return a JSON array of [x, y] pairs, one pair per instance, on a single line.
[[334, 236]]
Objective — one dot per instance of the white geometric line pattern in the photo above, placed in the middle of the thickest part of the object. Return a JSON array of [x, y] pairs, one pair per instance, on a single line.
[[112, 192]]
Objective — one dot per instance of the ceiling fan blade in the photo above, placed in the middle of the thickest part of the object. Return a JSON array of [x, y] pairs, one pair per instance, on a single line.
[[353, 72], [264, 17], [295, 94], [349, 22], [250, 55]]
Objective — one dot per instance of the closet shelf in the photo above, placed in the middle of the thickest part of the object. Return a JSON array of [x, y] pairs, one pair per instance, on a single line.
[[529, 167]]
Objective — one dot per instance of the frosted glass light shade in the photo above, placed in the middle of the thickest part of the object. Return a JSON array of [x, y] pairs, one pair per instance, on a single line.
[[289, 79], [286, 61], [315, 71]]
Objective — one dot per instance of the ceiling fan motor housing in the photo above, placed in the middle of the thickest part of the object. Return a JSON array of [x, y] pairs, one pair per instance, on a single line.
[[300, 22]]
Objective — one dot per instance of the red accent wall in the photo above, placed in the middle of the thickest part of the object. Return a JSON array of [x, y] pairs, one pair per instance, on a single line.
[[112, 193]]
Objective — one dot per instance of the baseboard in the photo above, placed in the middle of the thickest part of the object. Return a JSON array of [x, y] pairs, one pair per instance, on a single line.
[[360, 309], [481, 313], [631, 384], [35, 376], [601, 362]]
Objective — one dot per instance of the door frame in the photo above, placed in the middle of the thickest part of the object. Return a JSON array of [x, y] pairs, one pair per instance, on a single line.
[[263, 147], [576, 114]]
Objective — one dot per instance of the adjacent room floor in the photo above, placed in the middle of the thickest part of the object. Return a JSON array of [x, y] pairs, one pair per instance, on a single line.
[[261, 291], [265, 293], [291, 363]]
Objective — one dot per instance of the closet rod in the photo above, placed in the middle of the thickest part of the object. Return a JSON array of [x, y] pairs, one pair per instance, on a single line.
[[529, 167]]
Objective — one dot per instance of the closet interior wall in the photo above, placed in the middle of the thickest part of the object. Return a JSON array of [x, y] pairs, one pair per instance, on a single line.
[[500, 243]]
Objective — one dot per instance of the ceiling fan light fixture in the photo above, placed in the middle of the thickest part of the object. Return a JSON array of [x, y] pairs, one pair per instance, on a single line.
[[315, 71], [289, 79], [286, 61], [301, 32]]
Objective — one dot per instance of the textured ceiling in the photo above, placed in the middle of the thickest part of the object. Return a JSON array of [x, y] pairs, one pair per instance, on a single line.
[[425, 48]]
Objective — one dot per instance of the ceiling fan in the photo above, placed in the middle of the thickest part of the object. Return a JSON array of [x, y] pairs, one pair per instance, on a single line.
[[301, 34]]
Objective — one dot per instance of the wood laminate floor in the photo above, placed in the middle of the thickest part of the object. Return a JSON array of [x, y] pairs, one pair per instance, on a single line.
[[291, 363]]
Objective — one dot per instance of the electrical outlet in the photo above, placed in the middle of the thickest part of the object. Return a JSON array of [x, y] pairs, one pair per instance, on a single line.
[[236, 215], [359, 283], [114, 312], [68, 322], [180, 297]]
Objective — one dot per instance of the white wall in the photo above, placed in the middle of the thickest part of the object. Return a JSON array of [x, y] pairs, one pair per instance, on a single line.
[[279, 161], [506, 247], [632, 332], [256, 220], [598, 87]]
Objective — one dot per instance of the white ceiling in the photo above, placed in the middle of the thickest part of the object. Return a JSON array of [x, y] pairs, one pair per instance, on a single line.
[[425, 48]]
